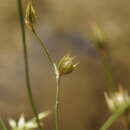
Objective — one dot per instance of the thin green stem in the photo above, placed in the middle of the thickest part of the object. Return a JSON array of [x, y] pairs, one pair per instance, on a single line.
[[57, 101], [114, 117], [29, 90], [44, 47], [2, 125], [112, 86]]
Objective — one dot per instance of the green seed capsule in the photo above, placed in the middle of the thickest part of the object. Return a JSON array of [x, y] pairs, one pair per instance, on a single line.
[[66, 65], [30, 16]]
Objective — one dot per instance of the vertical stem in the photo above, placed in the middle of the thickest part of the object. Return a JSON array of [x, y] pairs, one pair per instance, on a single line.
[[114, 117], [44, 47], [29, 90], [108, 70], [57, 103]]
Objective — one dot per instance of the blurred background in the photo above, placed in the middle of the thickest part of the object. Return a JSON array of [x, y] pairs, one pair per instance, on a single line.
[[65, 27]]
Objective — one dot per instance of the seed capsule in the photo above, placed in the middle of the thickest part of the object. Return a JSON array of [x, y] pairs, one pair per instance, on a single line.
[[66, 65], [30, 16]]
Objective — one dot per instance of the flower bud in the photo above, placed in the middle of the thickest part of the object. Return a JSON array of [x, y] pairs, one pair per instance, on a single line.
[[117, 99], [30, 16], [66, 65]]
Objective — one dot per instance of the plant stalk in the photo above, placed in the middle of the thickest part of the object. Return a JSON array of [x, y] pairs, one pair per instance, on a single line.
[[28, 84], [112, 86], [44, 47], [57, 101], [114, 117]]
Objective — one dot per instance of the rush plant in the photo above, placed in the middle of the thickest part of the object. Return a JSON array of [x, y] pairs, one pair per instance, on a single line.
[[116, 97]]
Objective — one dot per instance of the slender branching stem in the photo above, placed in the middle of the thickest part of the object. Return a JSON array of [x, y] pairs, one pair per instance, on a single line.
[[112, 86], [115, 116], [57, 101], [29, 90], [44, 47], [2, 125]]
